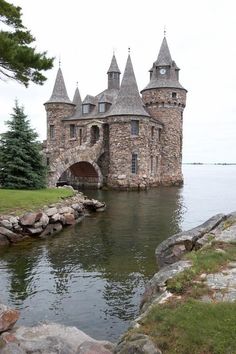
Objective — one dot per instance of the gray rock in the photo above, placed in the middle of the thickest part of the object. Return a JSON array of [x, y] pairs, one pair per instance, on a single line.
[[6, 223], [228, 235], [93, 348], [51, 229], [158, 282], [66, 210], [56, 217], [4, 241], [43, 221], [12, 348], [48, 345], [11, 236], [77, 207], [34, 231], [51, 211], [29, 219], [223, 284], [164, 252], [137, 344]]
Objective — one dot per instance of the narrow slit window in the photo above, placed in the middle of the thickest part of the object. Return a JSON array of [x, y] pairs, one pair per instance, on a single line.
[[80, 136], [52, 132], [152, 132], [134, 163], [134, 127], [151, 164], [174, 95]]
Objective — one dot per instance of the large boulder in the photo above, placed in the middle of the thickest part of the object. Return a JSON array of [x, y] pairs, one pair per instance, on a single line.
[[29, 219], [136, 343], [93, 348], [11, 236], [172, 249]]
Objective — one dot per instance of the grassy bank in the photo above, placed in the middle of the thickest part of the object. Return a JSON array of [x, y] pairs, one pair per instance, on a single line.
[[19, 201], [186, 324]]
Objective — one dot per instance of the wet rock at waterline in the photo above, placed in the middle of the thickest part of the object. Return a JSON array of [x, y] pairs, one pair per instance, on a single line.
[[48, 221]]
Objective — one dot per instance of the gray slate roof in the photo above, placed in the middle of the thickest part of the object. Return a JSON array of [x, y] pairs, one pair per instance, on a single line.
[[164, 57], [114, 66], [128, 101], [90, 100], [59, 93], [77, 99]]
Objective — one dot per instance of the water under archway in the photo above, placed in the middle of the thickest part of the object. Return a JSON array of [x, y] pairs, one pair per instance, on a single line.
[[81, 175]]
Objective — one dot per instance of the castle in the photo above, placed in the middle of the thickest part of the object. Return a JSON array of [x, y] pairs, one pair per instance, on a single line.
[[118, 138]]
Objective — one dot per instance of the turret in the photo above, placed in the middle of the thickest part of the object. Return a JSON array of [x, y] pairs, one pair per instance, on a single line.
[[113, 75], [57, 107], [165, 99]]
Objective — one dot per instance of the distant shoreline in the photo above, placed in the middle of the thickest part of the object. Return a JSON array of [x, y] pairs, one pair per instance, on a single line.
[[209, 163]]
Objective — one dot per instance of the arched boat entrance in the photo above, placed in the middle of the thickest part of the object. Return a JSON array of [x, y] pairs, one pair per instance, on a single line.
[[80, 175]]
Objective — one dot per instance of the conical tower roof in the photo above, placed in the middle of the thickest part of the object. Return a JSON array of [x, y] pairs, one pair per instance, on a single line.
[[128, 101], [164, 57], [114, 66], [59, 93], [77, 98]]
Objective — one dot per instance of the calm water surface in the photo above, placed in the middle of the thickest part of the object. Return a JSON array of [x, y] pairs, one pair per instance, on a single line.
[[92, 275]]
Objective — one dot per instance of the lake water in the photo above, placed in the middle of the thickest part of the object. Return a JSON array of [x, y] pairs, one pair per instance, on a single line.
[[92, 275]]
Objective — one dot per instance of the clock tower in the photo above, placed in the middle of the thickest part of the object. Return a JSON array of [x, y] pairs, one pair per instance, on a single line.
[[165, 99]]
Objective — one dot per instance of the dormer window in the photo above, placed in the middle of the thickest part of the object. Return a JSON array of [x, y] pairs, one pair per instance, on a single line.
[[102, 107], [85, 108]]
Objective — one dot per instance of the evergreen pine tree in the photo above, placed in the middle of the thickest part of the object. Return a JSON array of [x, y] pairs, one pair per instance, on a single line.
[[21, 163]]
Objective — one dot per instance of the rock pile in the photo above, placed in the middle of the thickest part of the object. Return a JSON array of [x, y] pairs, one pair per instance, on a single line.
[[47, 221], [45, 338]]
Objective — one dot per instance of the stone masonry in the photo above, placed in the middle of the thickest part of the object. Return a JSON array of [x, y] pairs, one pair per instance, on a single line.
[[118, 138]]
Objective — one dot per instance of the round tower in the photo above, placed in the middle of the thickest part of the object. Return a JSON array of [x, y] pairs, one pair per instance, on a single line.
[[57, 107], [165, 100]]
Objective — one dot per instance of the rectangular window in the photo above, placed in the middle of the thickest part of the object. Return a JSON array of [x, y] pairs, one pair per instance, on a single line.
[[80, 136], [52, 131], [174, 95], [152, 132], [48, 161], [102, 107], [134, 163], [134, 127], [72, 131], [151, 164], [85, 108], [156, 164], [158, 134]]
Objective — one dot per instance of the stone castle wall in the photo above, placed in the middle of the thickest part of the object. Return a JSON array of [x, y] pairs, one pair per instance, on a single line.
[[169, 111]]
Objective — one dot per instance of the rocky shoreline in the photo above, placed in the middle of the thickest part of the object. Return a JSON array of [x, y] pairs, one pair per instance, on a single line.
[[48, 220], [217, 235]]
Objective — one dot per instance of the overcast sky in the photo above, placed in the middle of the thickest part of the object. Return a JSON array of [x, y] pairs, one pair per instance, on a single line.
[[201, 36]]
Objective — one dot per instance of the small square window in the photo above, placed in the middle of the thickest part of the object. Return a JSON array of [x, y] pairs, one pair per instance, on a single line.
[[174, 95], [134, 127]]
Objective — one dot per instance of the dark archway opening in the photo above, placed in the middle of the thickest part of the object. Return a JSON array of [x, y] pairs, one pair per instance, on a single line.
[[80, 175]]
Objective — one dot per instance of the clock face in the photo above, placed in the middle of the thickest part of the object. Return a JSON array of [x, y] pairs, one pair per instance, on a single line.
[[162, 71]]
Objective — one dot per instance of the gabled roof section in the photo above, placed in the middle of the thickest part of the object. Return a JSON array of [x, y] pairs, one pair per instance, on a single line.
[[128, 100], [77, 99], [164, 57], [114, 66], [89, 100], [59, 93]]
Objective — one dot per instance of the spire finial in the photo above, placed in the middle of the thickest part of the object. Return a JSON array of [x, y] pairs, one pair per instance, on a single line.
[[164, 30], [129, 50], [59, 60], [77, 84]]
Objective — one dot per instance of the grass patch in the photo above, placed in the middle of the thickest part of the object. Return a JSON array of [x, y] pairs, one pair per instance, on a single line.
[[193, 327], [206, 260], [19, 201]]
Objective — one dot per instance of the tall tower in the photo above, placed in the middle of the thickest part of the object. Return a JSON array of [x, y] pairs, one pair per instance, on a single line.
[[113, 75], [57, 107], [165, 99]]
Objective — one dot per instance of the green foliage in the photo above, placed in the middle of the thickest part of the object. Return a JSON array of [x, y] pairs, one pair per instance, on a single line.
[[206, 260], [19, 201], [21, 165], [193, 327], [18, 59]]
